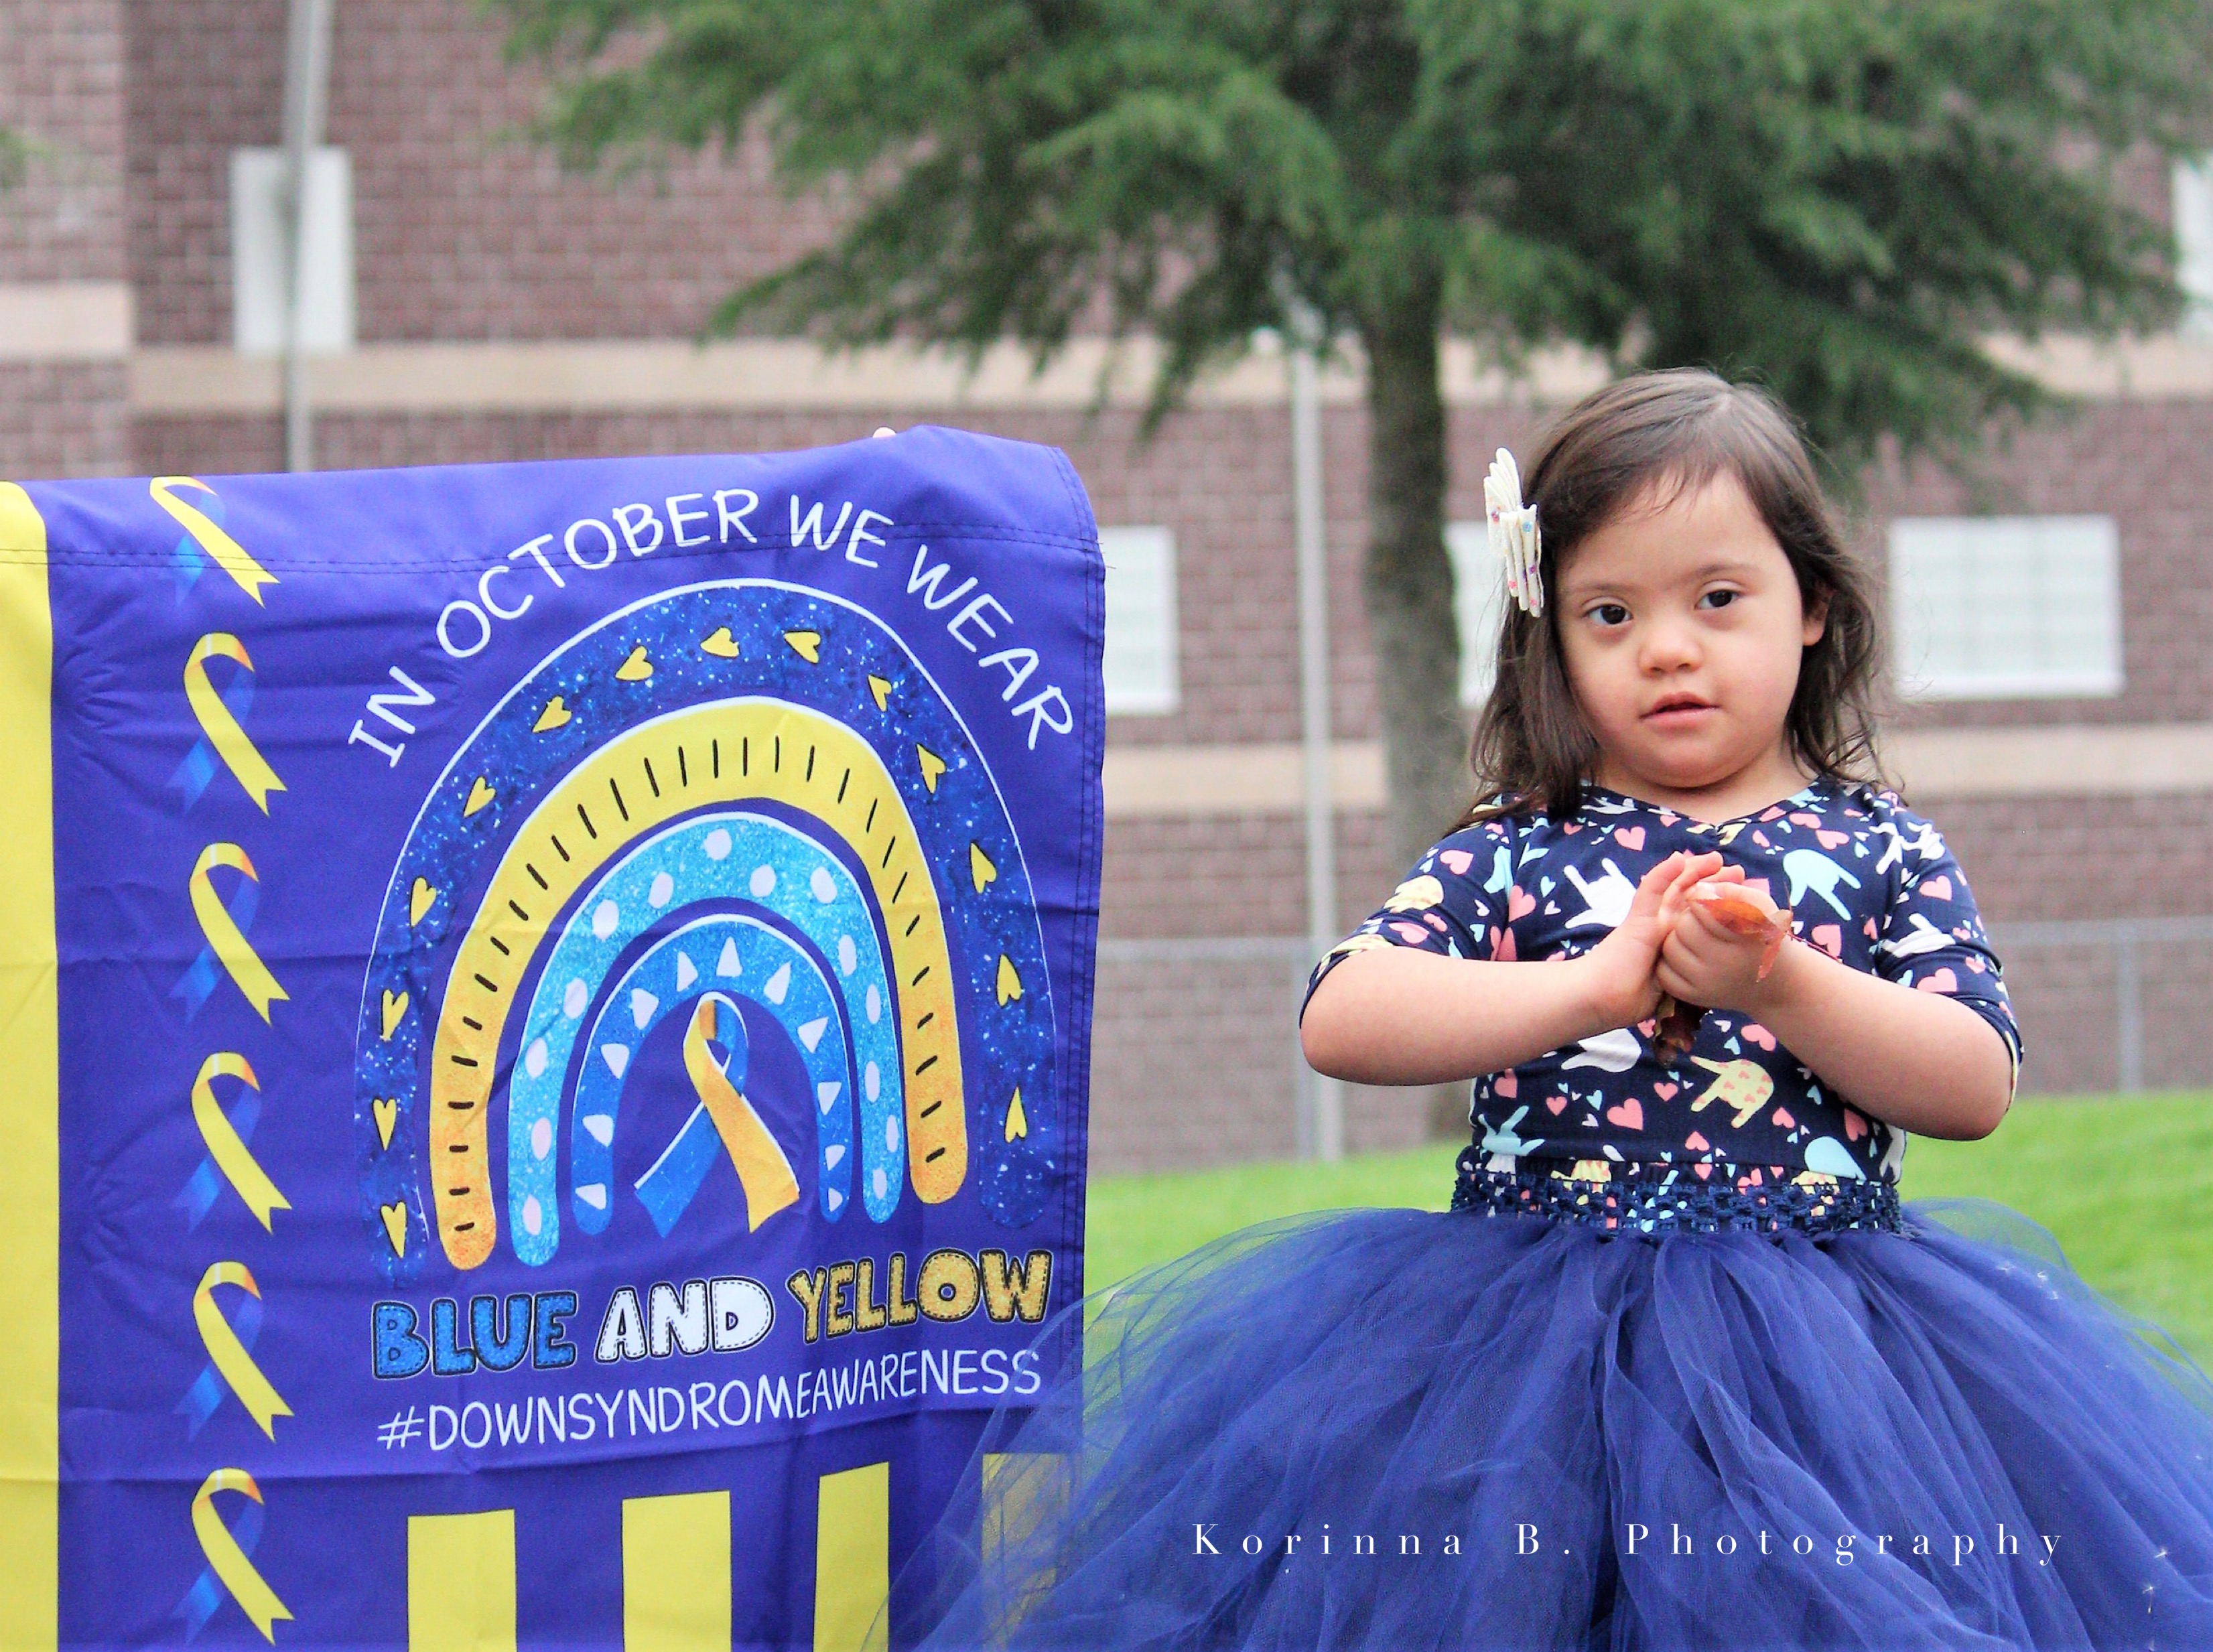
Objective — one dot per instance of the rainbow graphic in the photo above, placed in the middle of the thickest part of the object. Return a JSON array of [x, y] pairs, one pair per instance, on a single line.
[[731, 773]]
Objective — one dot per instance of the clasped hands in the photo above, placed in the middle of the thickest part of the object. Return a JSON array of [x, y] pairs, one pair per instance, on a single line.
[[1696, 938]]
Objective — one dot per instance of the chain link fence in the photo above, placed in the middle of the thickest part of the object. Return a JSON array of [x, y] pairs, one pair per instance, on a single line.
[[1195, 1053]]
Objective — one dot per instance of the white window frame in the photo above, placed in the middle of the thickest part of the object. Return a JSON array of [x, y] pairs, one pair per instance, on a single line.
[[2192, 184], [1144, 678], [1478, 591], [2002, 549], [260, 255]]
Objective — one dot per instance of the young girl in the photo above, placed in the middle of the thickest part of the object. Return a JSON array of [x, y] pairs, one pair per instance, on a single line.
[[1678, 1369]]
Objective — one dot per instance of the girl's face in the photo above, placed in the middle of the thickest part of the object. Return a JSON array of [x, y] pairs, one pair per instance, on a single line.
[[1682, 629]]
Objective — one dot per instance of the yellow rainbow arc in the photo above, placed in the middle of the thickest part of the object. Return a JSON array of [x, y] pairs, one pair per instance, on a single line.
[[721, 753]]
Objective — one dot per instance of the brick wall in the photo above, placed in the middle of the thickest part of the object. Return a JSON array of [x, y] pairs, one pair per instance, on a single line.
[[61, 91], [61, 87], [462, 229]]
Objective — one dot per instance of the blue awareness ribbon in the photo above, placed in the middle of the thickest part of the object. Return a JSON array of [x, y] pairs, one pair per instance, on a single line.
[[207, 1592], [201, 763], [189, 560], [198, 982], [197, 1196], [204, 1398], [668, 1187]]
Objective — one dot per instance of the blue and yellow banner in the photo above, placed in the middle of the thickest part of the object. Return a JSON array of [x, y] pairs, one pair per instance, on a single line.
[[546, 1010]]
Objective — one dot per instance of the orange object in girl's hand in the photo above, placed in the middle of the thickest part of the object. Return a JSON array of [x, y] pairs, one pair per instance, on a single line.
[[1741, 910]]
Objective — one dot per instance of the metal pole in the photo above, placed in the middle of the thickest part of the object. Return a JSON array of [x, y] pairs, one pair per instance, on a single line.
[[2128, 990], [306, 84], [1322, 1133]]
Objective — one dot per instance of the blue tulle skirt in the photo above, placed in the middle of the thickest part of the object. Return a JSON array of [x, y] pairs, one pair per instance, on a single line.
[[1397, 1428]]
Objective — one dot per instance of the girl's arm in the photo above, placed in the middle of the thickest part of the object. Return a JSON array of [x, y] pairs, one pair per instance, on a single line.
[[1919, 1060], [1395, 1014]]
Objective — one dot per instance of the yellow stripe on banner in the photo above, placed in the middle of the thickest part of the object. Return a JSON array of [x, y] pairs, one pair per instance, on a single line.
[[1022, 1489], [676, 1573], [460, 1583], [30, 1185], [852, 1558]]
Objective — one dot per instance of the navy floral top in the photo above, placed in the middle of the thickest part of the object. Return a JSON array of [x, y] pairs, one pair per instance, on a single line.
[[1868, 881]]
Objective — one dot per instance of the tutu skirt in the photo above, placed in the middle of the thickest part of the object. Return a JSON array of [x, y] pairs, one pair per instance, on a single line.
[[1514, 1425]]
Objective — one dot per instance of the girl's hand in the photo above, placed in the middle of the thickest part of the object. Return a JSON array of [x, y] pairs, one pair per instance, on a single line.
[[1705, 961], [1623, 988]]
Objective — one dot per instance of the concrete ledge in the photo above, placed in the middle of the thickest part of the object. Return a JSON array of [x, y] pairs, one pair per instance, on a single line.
[[2060, 760], [65, 320], [757, 375], [769, 374], [2081, 761]]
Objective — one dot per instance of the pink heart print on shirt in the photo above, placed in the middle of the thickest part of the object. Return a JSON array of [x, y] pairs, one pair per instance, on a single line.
[[1832, 839], [1520, 903], [1829, 938], [1666, 1092], [1413, 934], [1937, 888], [1755, 1033], [1856, 1124], [1506, 1084], [1630, 837], [1629, 1115], [1783, 1119], [1695, 1140], [1457, 861], [1557, 1104], [1802, 819], [1942, 981]]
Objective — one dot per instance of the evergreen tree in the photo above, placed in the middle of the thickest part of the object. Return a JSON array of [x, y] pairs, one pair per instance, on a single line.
[[1844, 197]]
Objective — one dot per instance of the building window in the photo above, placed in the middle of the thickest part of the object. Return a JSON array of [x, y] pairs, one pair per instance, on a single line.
[[259, 252], [1478, 587], [1141, 620], [2193, 241], [2006, 608]]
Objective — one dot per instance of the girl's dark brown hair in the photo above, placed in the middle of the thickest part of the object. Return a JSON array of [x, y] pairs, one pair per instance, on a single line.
[[1672, 432]]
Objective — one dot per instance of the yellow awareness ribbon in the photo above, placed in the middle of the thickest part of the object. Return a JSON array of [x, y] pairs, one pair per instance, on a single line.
[[230, 1155], [225, 552], [227, 940], [763, 1170], [227, 1560], [230, 741], [254, 1391]]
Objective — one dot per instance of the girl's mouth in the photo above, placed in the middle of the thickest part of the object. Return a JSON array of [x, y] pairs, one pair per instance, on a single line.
[[1677, 713]]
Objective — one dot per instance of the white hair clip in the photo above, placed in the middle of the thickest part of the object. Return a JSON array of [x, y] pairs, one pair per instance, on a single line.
[[1514, 533]]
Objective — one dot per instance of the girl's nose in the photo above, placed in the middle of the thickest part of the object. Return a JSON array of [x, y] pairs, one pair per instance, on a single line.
[[1668, 646]]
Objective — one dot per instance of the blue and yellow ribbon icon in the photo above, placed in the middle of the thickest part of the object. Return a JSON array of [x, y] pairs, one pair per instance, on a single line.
[[222, 720], [204, 535], [227, 1551], [715, 1055], [225, 928], [226, 1346], [226, 1134]]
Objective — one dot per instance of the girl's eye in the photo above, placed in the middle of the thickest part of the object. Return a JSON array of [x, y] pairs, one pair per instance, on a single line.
[[1609, 614], [1720, 599]]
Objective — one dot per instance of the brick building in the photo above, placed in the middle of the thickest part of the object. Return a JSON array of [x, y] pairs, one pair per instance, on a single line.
[[483, 306]]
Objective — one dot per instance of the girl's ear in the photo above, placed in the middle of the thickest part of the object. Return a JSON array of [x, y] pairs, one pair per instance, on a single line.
[[1816, 620]]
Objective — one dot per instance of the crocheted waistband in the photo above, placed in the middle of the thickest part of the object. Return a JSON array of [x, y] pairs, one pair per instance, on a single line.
[[1650, 1197]]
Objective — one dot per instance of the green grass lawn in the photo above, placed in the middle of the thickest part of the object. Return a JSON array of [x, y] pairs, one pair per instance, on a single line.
[[2124, 1184]]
